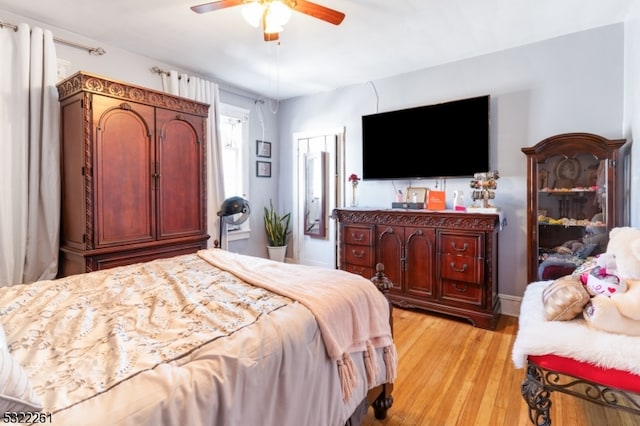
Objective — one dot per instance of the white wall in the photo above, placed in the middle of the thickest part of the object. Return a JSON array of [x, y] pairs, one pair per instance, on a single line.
[[131, 68], [568, 84]]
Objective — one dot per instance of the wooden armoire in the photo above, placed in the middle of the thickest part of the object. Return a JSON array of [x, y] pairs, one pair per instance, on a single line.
[[133, 174]]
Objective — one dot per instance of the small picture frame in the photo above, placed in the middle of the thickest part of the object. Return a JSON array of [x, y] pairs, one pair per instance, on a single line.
[[263, 168], [416, 194], [263, 149]]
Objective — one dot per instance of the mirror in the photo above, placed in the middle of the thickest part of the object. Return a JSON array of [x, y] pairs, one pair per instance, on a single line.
[[315, 194]]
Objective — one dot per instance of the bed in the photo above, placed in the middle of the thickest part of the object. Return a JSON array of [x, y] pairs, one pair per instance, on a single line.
[[210, 338], [571, 357]]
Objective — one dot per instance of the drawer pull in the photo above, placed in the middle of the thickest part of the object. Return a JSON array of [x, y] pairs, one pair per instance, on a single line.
[[462, 288], [357, 237], [465, 246], [359, 254], [463, 269]]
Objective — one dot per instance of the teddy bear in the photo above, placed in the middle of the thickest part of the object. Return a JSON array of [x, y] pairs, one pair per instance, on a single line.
[[602, 276], [619, 311]]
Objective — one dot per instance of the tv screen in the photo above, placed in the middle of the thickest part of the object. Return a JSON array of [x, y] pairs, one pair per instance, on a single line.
[[450, 139]]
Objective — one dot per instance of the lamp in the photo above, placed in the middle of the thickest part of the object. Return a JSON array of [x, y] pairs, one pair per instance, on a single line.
[[229, 211], [272, 13]]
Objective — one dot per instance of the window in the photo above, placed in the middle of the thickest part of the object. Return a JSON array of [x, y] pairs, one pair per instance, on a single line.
[[234, 139]]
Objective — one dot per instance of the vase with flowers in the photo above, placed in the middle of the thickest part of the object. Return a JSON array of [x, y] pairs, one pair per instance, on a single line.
[[354, 180]]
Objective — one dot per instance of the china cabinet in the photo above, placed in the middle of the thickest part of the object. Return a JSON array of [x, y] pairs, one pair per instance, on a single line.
[[574, 196]]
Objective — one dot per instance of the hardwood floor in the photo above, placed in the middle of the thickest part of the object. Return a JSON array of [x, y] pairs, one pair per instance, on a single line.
[[451, 373]]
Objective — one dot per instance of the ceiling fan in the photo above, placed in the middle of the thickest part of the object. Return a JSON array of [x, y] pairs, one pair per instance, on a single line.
[[272, 14]]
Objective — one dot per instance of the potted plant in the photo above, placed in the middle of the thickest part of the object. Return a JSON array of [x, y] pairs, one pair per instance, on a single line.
[[277, 227]]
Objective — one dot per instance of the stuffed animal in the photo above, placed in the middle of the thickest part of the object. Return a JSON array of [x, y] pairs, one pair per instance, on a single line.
[[619, 312], [603, 277]]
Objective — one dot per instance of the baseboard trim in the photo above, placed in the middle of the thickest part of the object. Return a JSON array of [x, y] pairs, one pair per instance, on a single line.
[[510, 305]]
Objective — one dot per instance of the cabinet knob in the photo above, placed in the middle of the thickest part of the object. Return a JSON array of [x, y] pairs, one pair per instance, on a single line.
[[465, 246], [453, 266], [357, 237], [359, 254]]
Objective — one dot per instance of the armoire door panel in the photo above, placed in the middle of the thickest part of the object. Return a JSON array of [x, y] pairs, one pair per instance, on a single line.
[[180, 176], [73, 223], [123, 179]]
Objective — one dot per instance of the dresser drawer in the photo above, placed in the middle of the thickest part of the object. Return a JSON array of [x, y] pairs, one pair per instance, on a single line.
[[358, 235], [468, 293], [461, 244], [365, 271], [462, 268], [358, 255]]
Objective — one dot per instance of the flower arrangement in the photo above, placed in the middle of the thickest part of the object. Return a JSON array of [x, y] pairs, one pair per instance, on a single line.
[[354, 179]]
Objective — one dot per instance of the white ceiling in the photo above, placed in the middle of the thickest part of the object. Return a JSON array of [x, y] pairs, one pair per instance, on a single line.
[[377, 39]]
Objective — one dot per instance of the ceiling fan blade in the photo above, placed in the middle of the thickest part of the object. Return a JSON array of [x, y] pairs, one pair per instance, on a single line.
[[317, 11], [215, 5], [271, 36]]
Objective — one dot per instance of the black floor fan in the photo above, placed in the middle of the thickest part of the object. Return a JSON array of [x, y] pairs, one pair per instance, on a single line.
[[234, 211]]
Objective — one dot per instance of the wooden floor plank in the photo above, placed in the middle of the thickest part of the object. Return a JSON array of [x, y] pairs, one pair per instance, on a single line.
[[454, 374]]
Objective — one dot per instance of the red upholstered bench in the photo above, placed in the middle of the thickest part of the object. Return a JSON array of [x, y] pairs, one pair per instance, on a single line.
[[573, 358], [605, 386]]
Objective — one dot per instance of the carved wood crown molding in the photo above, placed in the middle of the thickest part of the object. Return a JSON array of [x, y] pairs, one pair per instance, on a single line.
[[482, 222], [81, 81]]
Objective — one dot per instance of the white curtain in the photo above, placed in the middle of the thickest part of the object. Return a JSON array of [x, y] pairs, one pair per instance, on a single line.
[[29, 156], [204, 91]]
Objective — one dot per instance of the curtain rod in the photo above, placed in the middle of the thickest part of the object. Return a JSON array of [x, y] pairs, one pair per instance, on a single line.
[[97, 51], [223, 86], [157, 70]]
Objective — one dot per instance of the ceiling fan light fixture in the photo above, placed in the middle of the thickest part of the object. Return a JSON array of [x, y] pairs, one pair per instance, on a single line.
[[272, 15], [271, 26], [278, 12], [252, 13], [273, 29]]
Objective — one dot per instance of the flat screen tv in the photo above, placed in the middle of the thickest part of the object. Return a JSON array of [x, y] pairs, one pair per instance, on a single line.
[[445, 140]]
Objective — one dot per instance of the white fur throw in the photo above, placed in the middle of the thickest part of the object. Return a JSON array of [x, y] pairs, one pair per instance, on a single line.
[[572, 339]]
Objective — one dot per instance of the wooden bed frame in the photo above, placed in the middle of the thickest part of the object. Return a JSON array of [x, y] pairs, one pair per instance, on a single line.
[[380, 397], [541, 381]]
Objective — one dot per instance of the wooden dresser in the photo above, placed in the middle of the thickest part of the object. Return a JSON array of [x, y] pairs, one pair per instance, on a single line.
[[445, 262], [133, 174]]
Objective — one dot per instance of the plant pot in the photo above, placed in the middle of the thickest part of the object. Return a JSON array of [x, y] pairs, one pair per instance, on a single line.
[[277, 252]]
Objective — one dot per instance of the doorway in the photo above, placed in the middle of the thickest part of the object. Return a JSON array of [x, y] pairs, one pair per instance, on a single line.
[[320, 175]]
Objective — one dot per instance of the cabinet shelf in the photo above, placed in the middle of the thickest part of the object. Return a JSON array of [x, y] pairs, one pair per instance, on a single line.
[[571, 191]]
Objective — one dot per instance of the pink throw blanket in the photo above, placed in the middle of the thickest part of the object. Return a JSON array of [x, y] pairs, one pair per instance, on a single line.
[[359, 325]]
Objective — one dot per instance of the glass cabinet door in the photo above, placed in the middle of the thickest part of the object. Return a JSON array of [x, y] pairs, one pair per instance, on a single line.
[[572, 202], [572, 206]]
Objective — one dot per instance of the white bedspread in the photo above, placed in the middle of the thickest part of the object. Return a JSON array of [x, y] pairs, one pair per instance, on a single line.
[[173, 342], [573, 339]]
